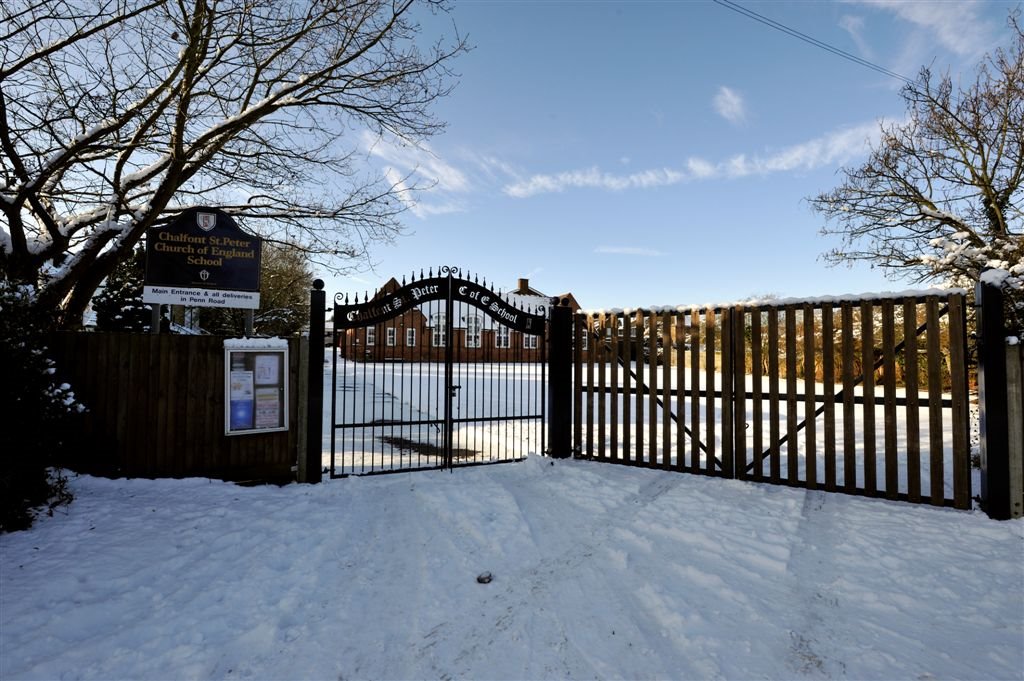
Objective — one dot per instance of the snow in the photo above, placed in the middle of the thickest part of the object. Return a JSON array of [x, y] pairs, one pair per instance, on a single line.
[[994, 277], [599, 571], [780, 302], [246, 343]]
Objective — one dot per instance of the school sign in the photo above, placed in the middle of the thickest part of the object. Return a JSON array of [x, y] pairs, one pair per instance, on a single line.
[[203, 259]]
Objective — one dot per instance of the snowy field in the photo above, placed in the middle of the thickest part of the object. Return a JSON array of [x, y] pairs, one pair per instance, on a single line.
[[599, 571], [796, 450], [393, 393], [405, 402]]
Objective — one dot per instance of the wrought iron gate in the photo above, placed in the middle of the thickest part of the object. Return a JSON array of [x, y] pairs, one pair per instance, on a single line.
[[436, 372]]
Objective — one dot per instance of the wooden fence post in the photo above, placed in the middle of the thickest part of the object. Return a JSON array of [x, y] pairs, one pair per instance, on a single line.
[[992, 389]]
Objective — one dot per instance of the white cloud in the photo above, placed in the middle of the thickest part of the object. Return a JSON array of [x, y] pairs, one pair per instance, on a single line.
[[829, 150], [729, 105], [629, 250], [699, 168], [417, 159], [592, 178], [419, 175], [419, 208], [956, 25], [855, 27]]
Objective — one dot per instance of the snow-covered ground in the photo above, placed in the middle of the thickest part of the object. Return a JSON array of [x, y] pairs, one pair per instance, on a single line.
[[599, 571]]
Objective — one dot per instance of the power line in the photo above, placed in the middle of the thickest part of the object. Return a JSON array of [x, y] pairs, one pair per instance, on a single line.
[[771, 23]]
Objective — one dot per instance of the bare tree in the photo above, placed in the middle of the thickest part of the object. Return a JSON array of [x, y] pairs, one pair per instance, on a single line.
[[284, 298], [939, 197], [117, 114]]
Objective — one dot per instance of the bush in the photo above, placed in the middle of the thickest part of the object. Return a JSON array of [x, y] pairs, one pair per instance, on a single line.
[[35, 413]]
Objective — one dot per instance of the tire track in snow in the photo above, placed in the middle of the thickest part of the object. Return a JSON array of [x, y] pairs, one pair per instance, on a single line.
[[814, 648], [587, 636]]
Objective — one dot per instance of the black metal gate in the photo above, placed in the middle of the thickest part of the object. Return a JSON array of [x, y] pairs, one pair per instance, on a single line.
[[436, 372]]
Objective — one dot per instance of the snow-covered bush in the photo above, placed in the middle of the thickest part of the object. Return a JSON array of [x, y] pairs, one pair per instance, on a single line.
[[119, 305], [1000, 263], [35, 412]]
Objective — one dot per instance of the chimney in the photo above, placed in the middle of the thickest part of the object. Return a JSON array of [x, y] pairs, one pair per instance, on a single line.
[[524, 287]]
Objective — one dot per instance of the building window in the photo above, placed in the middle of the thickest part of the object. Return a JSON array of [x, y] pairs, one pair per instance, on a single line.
[[410, 338], [529, 341], [584, 336], [474, 327], [501, 339], [390, 334], [438, 336], [371, 335]]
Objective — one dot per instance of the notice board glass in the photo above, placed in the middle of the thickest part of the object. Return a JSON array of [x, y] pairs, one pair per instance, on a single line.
[[255, 390]]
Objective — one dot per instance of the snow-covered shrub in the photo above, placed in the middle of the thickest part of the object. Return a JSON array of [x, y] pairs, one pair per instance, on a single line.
[[119, 305], [1000, 263], [35, 412]]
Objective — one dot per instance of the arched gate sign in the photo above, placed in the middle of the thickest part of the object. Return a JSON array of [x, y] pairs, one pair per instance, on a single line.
[[436, 372]]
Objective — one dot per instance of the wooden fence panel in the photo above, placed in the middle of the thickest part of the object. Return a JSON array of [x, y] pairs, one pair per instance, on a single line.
[[613, 366], [937, 491], [601, 360], [627, 389], [156, 408], [911, 377], [666, 390], [958, 391], [775, 467], [889, 398], [757, 402], [829, 390], [695, 443], [810, 399], [680, 392]]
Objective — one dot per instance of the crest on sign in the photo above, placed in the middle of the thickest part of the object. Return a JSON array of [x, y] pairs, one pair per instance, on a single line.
[[206, 221]]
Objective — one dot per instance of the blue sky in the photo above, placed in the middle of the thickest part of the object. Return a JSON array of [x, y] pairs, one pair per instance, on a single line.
[[660, 153]]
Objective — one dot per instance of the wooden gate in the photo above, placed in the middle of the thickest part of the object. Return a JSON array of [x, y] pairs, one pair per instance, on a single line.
[[437, 372], [867, 397]]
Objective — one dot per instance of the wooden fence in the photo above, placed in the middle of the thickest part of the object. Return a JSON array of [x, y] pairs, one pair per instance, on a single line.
[[1015, 423], [156, 409], [866, 397]]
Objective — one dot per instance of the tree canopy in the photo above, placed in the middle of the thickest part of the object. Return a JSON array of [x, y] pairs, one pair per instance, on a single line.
[[939, 197], [115, 115]]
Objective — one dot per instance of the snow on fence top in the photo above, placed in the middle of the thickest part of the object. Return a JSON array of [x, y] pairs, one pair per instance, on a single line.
[[255, 343], [781, 302]]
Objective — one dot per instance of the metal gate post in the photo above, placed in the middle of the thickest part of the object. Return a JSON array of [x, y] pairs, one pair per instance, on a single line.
[[995, 459], [315, 385], [560, 381], [449, 380]]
